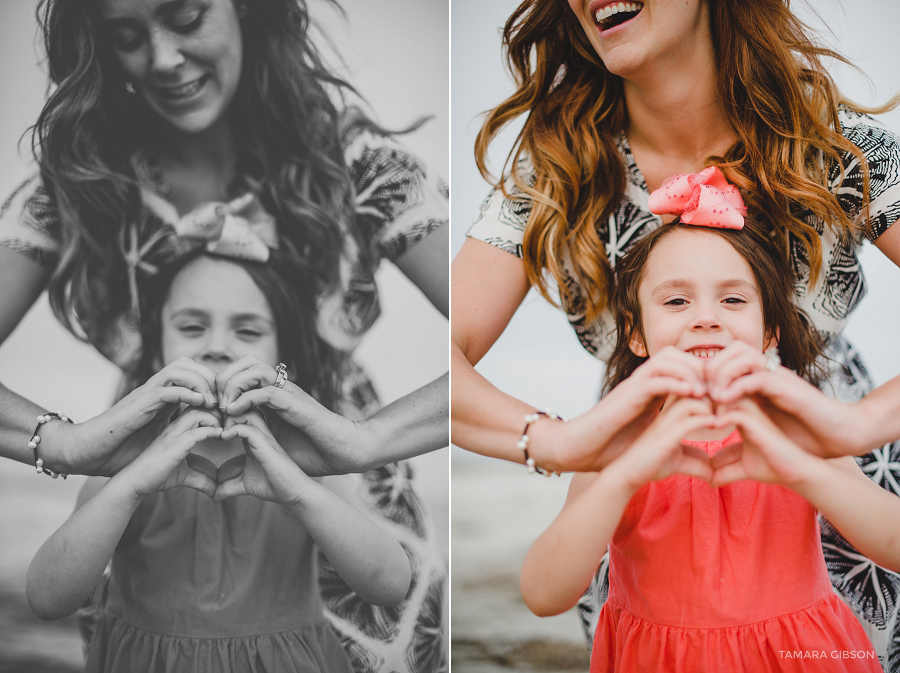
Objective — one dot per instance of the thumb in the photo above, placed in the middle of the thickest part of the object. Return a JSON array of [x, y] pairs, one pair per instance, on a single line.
[[228, 489], [695, 467], [728, 474]]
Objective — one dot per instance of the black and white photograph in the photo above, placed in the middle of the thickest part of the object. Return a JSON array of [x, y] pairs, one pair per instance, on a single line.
[[224, 390]]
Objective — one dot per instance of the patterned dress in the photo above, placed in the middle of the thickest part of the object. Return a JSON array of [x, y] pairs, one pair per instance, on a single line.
[[398, 203], [871, 591]]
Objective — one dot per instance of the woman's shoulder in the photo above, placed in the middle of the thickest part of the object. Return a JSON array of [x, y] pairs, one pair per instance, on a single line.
[[503, 215], [29, 222], [870, 135]]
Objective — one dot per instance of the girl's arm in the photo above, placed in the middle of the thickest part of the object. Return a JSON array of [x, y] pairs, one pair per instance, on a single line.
[[866, 514], [366, 557], [488, 286], [69, 564], [560, 564]]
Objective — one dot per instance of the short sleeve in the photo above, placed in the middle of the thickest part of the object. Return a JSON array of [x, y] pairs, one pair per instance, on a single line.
[[398, 200], [29, 223], [881, 149], [502, 219]]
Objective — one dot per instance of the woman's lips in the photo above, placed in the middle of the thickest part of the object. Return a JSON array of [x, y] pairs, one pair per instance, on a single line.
[[182, 91], [616, 13]]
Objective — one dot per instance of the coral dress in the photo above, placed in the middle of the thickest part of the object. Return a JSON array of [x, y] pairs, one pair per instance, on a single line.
[[197, 586], [722, 580]]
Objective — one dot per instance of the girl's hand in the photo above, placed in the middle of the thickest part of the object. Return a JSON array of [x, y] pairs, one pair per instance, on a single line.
[[818, 423], [319, 441], [266, 472], [659, 452], [106, 443], [168, 462], [767, 454], [593, 439]]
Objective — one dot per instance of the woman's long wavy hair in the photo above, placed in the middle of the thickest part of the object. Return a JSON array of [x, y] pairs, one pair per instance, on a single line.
[[779, 101], [799, 345], [288, 284], [287, 132]]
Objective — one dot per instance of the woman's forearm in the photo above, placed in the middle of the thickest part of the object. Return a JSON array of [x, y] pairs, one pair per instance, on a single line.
[[408, 427], [68, 566], [18, 418], [366, 557]]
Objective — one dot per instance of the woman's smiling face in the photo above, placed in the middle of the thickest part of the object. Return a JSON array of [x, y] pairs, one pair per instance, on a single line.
[[629, 36], [183, 57]]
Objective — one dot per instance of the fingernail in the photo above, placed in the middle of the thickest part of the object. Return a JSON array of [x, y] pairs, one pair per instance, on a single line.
[[210, 398]]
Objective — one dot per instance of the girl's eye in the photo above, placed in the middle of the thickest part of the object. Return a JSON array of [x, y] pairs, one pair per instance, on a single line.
[[186, 21], [735, 300], [191, 329], [248, 334], [677, 301]]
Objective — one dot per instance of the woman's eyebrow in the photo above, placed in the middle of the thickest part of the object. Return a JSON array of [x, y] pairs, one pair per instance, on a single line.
[[163, 8]]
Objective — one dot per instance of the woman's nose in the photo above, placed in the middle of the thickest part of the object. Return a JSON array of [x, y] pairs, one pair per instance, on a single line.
[[165, 52]]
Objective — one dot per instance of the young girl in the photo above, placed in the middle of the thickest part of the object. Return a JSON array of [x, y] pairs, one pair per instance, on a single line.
[[708, 575], [200, 580]]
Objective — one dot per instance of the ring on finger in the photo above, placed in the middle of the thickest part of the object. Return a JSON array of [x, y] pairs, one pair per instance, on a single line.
[[773, 360], [280, 375]]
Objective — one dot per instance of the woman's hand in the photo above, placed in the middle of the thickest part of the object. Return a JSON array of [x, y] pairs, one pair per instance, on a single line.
[[593, 439], [106, 443], [659, 452], [168, 462], [320, 441], [818, 423], [266, 471]]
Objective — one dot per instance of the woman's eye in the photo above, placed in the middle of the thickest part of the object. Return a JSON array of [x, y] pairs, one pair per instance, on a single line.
[[126, 40], [186, 21]]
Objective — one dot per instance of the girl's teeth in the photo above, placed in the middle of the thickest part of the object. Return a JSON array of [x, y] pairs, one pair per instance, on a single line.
[[608, 11], [704, 353]]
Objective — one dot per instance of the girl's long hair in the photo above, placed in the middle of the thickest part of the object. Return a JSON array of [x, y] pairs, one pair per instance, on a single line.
[[288, 284], [799, 345], [779, 101], [287, 131]]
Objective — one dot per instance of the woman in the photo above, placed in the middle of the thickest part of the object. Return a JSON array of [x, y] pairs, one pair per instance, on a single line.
[[662, 89], [168, 108]]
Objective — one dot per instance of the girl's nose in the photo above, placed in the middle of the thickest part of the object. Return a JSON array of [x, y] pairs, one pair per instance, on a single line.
[[217, 350], [706, 318], [165, 52]]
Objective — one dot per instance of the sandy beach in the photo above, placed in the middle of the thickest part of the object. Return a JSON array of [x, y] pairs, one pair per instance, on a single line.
[[497, 512]]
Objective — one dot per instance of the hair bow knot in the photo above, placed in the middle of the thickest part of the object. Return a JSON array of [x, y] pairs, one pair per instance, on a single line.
[[704, 199], [240, 228]]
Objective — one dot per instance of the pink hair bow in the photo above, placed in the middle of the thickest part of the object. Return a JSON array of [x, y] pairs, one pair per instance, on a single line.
[[704, 199]]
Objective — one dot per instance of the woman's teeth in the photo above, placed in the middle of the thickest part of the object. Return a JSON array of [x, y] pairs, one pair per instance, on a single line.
[[182, 91], [704, 352], [613, 15]]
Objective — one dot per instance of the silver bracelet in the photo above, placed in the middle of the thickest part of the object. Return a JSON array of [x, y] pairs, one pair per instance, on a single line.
[[523, 442], [36, 440]]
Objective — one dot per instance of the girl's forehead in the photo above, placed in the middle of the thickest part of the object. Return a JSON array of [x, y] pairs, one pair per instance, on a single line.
[[696, 254], [217, 286]]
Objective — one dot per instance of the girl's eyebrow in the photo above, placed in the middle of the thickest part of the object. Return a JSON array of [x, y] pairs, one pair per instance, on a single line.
[[680, 283], [191, 312], [250, 317]]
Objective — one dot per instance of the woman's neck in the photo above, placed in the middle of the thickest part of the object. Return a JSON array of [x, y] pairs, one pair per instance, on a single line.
[[198, 167], [676, 120]]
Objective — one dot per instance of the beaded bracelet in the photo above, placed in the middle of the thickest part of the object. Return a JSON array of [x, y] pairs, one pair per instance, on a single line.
[[36, 439], [523, 442]]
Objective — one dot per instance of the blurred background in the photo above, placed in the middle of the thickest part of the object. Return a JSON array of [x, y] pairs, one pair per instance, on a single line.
[[498, 510], [396, 54]]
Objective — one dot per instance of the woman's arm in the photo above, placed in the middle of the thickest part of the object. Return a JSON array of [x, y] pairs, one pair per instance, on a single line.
[[366, 557], [488, 286]]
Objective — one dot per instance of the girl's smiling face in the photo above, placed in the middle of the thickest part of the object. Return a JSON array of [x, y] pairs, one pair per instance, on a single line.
[[215, 314], [182, 56], [698, 294]]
